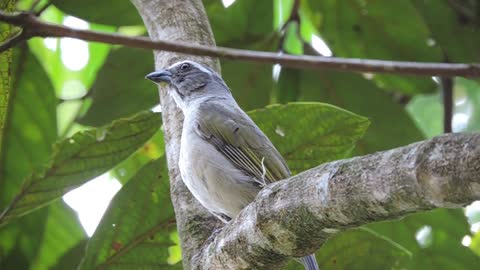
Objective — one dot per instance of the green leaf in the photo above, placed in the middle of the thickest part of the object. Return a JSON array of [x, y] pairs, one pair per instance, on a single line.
[[427, 111], [447, 19], [354, 249], [152, 149], [251, 20], [288, 85], [292, 44], [251, 84], [467, 103], [104, 12], [62, 232], [21, 240], [30, 129], [391, 126], [5, 72], [308, 134], [379, 30], [444, 251], [80, 158], [135, 231], [121, 88], [72, 258]]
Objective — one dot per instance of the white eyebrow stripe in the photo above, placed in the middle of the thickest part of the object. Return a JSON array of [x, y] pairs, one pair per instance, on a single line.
[[197, 65]]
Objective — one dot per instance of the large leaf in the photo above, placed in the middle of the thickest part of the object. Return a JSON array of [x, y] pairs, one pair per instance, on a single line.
[[62, 232], [427, 110], [121, 88], [309, 134], [106, 12], [442, 248], [21, 240], [152, 149], [81, 158], [135, 232], [457, 19], [359, 249], [72, 258], [391, 126], [380, 30], [252, 21], [31, 125], [355, 249], [5, 71]]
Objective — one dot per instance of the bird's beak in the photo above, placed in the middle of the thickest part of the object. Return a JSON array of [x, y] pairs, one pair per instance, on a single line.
[[160, 76]]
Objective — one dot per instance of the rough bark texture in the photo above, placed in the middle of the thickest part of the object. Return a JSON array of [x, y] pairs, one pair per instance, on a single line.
[[294, 217], [180, 20]]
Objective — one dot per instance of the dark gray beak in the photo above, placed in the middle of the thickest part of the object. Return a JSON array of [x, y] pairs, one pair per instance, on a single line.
[[160, 76]]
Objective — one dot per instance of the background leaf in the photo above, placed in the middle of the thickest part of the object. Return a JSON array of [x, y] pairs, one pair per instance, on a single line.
[[121, 89], [391, 126], [105, 12], [309, 134], [31, 125], [81, 158], [62, 232], [135, 231]]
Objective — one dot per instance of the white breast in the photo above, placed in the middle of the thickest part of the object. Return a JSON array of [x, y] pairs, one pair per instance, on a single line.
[[211, 178]]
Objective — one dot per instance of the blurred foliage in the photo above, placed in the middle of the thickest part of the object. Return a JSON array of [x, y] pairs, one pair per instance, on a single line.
[[48, 108], [134, 231]]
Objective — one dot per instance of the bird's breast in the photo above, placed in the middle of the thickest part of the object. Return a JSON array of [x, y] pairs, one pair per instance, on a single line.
[[212, 178]]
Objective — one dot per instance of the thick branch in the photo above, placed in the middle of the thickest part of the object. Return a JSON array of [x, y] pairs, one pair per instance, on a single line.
[[36, 27], [295, 216]]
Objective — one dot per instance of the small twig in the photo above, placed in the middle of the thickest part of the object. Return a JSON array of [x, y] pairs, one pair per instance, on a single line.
[[447, 95], [37, 28]]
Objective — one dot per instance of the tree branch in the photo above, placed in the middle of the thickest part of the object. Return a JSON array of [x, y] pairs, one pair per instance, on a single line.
[[36, 27], [294, 217]]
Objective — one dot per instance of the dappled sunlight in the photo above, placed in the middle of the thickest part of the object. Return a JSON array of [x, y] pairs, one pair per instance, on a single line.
[[74, 52], [276, 72], [227, 3], [460, 121], [424, 236], [320, 46], [73, 89], [466, 240], [50, 43], [91, 200]]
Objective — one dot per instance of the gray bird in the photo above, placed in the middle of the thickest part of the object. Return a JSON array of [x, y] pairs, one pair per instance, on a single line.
[[225, 159]]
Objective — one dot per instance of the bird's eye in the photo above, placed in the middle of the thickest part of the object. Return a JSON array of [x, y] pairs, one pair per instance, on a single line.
[[185, 66]]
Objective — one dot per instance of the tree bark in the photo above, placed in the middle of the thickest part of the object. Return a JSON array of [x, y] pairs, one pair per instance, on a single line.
[[184, 21]]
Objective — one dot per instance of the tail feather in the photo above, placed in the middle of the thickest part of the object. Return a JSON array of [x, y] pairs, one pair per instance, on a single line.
[[309, 262]]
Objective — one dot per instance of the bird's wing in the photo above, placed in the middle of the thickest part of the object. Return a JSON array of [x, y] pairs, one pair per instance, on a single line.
[[237, 137]]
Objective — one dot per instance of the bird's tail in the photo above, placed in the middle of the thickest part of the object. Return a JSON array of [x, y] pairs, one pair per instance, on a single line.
[[309, 262]]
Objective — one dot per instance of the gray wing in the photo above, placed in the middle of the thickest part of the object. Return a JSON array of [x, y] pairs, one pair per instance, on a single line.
[[237, 137]]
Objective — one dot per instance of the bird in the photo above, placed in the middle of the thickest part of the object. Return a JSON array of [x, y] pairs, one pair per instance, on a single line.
[[225, 159]]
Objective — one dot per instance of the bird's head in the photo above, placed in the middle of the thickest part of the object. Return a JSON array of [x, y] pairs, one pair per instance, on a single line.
[[190, 81]]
